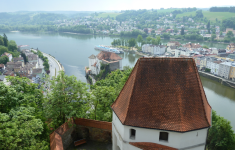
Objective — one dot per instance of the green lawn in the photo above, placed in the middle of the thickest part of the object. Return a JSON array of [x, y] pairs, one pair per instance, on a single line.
[[103, 15], [211, 15]]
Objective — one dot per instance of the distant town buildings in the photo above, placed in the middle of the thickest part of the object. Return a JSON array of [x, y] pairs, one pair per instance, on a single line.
[[154, 49]]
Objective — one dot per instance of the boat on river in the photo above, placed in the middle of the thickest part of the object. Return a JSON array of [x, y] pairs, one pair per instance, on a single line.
[[108, 49]]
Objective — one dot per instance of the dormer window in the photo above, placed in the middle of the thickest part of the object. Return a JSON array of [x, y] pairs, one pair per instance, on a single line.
[[163, 136], [132, 134]]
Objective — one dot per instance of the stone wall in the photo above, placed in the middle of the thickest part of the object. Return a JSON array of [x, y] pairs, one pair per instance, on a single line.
[[94, 134], [218, 79], [112, 65], [78, 129]]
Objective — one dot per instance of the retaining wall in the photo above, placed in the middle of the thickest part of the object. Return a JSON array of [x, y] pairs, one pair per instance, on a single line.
[[67, 133], [218, 79]]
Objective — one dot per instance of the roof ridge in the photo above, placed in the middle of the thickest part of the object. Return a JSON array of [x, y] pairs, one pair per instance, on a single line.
[[201, 90], [132, 90]]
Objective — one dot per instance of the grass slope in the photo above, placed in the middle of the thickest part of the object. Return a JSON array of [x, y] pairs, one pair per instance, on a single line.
[[103, 15], [167, 10], [210, 15]]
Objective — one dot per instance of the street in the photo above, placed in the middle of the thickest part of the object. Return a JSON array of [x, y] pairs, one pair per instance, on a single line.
[[54, 66]]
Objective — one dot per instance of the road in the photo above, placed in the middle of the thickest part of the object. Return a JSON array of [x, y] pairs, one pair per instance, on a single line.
[[54, 66]]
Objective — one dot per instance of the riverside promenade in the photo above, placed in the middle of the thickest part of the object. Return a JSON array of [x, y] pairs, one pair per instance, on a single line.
[[54, 64], [221, 80]]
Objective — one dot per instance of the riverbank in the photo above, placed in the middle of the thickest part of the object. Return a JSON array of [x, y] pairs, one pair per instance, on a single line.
[[222, 81], [55, 66]]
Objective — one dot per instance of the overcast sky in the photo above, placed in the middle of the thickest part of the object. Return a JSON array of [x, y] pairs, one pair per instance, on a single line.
[[96, 5]]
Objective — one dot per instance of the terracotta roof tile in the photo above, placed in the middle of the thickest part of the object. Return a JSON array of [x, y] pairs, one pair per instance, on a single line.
[[151, 146], [164, 93], [108, 56]]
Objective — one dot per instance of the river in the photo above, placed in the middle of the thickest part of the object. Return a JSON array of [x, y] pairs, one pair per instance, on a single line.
[[73, 50]]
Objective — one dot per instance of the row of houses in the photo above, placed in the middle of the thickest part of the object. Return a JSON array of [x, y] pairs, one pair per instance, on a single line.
[[17, 66], [220, 67]]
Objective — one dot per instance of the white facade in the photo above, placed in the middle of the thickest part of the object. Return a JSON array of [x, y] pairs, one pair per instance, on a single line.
[[10, 57], [192, 140], [153, 49], [94, 65], [179, 52], [224, 69], [215, 67]]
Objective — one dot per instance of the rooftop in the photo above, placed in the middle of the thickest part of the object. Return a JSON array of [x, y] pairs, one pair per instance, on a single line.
[[151, 146], [164, 93], [108, 56]]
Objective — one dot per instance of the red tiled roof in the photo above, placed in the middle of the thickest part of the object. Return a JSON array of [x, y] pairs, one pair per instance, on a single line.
[[108, 56], [164, 93], [6, 54], [2, 65], [151, 146]]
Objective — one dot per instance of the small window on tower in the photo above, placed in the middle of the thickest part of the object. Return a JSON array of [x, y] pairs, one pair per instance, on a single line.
[[163, 136], [132, 134]]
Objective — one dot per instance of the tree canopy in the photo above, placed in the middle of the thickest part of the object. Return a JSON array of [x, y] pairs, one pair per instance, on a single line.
[[221, 136], [66, 98]]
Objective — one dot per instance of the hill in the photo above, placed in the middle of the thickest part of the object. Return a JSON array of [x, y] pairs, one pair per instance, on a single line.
[[104, 15], [210, 15]]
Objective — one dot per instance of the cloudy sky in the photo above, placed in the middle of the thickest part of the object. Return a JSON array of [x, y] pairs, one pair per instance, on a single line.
[[96, 5]]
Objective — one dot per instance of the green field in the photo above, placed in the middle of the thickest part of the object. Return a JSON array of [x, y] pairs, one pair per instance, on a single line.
[[103, 15], [210, 15], [167, 10]]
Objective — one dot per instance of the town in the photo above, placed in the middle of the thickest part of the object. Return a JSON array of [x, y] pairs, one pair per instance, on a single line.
[[137, 79]]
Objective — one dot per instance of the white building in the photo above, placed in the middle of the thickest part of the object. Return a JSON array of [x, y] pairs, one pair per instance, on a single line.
[[209, 62], [154, 49], [8, 55], [114, 61], [224, 69], [215, 67], [183, 51], [145, 115]]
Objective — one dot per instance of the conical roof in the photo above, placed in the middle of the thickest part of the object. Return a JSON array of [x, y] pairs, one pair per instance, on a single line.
[[164, 93]]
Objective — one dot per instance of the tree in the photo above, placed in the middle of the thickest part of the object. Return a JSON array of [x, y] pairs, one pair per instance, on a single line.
[[213, 36], [158, 40], [146, 30], [221, 135], [1, 40], [66, 99], [139, 39], [132, 42], [208, 27], [4, 60], [204, 46], [25, 57], [20, 129], [5, 40], [182, 31], [230, 34], [12, 46], [100, 101], [3, 49], [199, 14], [148, 40], [176, 30], [166, 35], [153, 32], [22, 121]]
